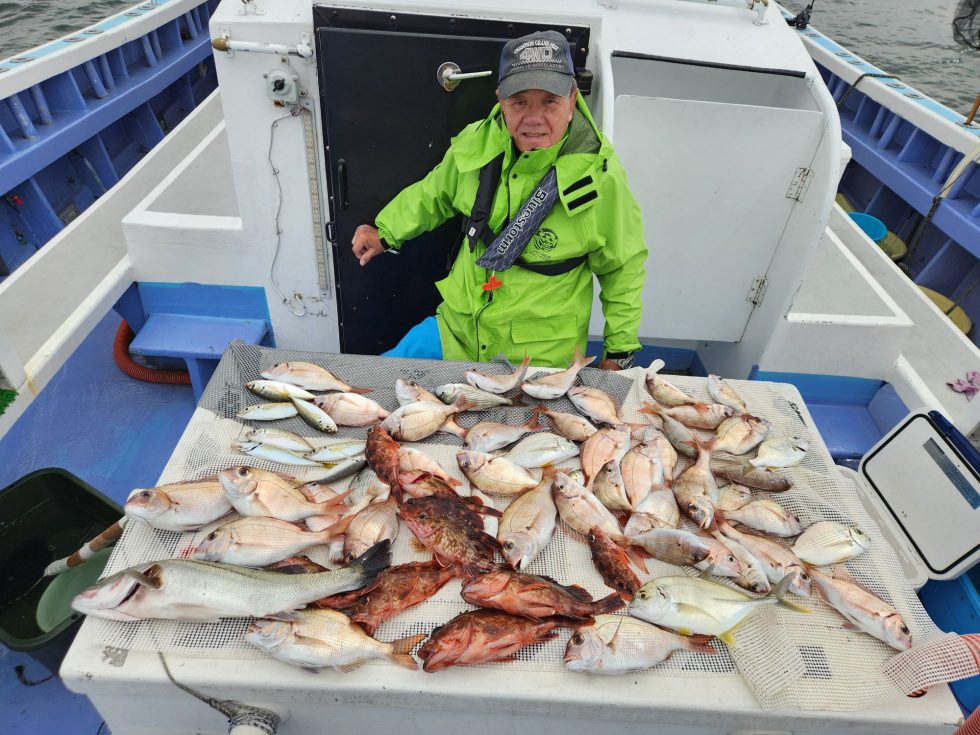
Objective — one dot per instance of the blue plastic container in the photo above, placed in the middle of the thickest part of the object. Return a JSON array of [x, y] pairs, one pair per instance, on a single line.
[[873, 227]]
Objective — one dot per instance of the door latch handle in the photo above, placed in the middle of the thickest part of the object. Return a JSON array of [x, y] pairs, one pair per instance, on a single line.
[[449, 75], [342, 184]]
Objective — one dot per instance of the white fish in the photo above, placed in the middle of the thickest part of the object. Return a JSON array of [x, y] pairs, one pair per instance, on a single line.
[[315, 416], [364, 489], [570, 425], [696, 489], [274, 454], [781, 452], [309, 376], [753, 576], [267, 411], [695, 605], [619, 644], [478, 400], [412, 459], [408, 391], [663, 391], [497, 383], [777, 560], [739, 434], [351, 409], [610, 488], [277, 391], [257, 542], [694, 415], [528, 525], [680, 437], [596, 404], [738, 469], [608, 443], [829, 542], [555, 385], [377, 522], [720, 562], [420, 419], [495, 475], [487, 436], [256, 492], [722, 392], [643, 471], [658, 509], [580, 508], [181, 506], [733, 497], [279, 438], [767, 515], [336, 450], [864, 611], [540, 449], [671, 545]]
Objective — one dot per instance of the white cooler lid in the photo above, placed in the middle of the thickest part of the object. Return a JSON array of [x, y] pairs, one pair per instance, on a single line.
[[926, 475]]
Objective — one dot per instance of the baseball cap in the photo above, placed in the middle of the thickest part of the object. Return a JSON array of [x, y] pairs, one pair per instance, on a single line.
[[540, 60]]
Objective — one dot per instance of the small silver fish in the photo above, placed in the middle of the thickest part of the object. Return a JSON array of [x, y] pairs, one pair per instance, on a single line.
[[739, 470], [315, 416], [336, 450], [722, 392], [274, 454], [268, 411], [279, 438], [780, 452], [277, 391]]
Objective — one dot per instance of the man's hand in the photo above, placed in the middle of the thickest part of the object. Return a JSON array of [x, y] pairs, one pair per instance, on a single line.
[[608, 364], [366, 243]]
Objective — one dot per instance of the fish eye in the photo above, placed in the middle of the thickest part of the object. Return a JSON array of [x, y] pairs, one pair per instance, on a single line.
[[423, 516], [642, 595], [692, 507], [578, 639], [508, 546], [242, 471], [804, 576], [731, 558], [591, 538], [904, 629], [212, 536], [755, 586], [146, 494], [351, 556]]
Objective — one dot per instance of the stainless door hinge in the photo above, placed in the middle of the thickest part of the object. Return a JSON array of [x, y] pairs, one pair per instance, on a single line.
[[799, 184], [758, 291]]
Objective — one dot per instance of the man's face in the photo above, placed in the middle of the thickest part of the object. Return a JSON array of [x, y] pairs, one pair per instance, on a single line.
[[537, 119]]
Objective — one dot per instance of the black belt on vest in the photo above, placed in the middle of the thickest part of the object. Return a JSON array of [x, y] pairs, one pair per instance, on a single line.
[[476, 227]]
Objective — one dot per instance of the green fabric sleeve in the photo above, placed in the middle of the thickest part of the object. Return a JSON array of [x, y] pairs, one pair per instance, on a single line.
[[618, 263], [422, 206]]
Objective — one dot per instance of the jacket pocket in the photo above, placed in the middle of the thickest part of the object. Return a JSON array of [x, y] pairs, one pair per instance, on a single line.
[[544, 330]]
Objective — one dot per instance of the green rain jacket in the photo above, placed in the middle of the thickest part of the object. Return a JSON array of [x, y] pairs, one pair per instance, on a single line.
[[541, 316]]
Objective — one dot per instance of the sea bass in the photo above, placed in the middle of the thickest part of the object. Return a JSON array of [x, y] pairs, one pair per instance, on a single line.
[[181, 506], [864, 611], [619, 644], [200, 591], [528, 525], [555, 385], [535, 597], [351, 409], [484, 635], [319, 639], [258, 542], [309, 376], [497, 383]]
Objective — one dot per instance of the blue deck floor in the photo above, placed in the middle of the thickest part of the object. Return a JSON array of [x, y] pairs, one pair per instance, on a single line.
[[115, 433]]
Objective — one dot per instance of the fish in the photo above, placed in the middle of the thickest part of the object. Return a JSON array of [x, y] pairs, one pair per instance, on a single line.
[[679, 436], [753, 576], [395, 590], [315, 416], [320, 639], [180, 506], [309, 376], [737, 469], [720, 562], [695, 489], [495, 475], [527, 525], [780, 452], [612, 563], [668, 455], [487, 436], [479, 400], [767, 515], [364, 489], [555, 385], [610, 488], [377, 522], [257, 492], [498, 384], [413, 460], [733, 497], [202, 591], [596, 404], [336, 450], [722, 392], [643, 470], [693, 415], [570, 425], [491, 523], [606, 444], [829, 542], [443, 526], [739, 434], [268, 411], [420, 419], [580, 508], [408, 391], [672, 545], [776, 559], [535, 597], [341, 469], [258, 541], [863, 610], [279, 438], [658, 510], [381, 452], [481, 636], [420, 484], [351, 409], [274, 454], [275, 390], [620, 644], [540, 449], [662, 391], [691, 605]]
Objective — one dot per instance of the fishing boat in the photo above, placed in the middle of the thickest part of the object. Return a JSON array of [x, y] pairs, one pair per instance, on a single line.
[[200, 217]]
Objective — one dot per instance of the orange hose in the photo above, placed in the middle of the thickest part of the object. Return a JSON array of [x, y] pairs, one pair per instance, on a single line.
[[120, 351]]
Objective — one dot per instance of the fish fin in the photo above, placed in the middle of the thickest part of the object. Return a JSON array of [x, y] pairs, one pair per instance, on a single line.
[[373, 561], [842, 575], [286, 616], [407, 644], [339, 528], [581, 360], [501, 357], [479, 507], [620, 540], [149, 578], [637, 560], [310, 669], [534, 424], [417, 545], [729, 635], [848, 625], [780, 592], [614, 641], [347, 668], [651, 407], [576, 591], [700, 643], [360, 391], [656, 366], [609, 604], [451, 427]]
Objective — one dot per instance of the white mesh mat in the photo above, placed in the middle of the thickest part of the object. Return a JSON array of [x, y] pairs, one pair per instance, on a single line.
[[788, 659]]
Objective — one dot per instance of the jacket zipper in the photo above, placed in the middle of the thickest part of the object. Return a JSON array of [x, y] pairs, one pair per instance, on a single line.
[[490, 293]]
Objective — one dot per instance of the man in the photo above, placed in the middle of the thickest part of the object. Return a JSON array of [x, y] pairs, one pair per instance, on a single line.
[[539, 172]]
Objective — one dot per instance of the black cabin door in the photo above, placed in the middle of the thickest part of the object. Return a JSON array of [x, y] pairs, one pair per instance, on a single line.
[[387, 123]]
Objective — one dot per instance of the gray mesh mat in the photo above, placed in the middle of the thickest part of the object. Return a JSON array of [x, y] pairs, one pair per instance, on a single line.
[[788, 659]]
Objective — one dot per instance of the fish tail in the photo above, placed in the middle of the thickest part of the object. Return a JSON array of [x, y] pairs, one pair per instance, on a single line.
[[581, 360], [373, 561], [699, 643], [337, 529], [637, 558], [651, 407], [609, 604], [534, 424], [656, 366], [401, 651], [781, 592]]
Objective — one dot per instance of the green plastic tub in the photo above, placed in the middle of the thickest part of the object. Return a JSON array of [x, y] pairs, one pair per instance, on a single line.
[[45, 516]]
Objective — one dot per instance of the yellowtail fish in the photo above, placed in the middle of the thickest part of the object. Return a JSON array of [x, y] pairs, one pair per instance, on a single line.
[[570, 425], [864, 610], [180, 506], [495, 475], [320, 639], [596, 404], [309, 376], [722, 392], [497, 383], [694, 605], [351, 409], [619, 644], [662, 391], [528, 525], [267, 411], [276, 391], [829, 542], [555, 385]]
